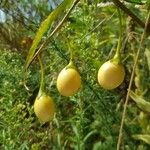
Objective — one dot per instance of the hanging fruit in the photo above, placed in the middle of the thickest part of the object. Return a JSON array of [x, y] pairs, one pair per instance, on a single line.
[[69, 80], [44, 106], [111, 74]]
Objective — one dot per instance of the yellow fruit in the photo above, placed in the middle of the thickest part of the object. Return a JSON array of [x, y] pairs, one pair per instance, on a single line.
[[68, 81], [44, 108], [111, 75]]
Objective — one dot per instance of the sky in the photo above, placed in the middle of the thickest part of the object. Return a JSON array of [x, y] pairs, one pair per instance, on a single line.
[[2, 16], [53, 4]]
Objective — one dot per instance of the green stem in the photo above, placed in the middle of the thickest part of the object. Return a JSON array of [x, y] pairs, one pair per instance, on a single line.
[[117, 57], [42, 83], [69, 45], [24, 80], [70, 50]]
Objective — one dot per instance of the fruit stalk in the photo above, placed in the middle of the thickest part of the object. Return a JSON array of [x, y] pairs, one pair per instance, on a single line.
[[42, 83], [117, 57], [71, 51]]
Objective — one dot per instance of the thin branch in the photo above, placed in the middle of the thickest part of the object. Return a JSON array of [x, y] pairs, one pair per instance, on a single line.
[[131, 80], [43, 45]]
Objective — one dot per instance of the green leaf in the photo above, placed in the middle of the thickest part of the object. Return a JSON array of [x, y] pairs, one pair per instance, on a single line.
[[45, 25], [143, 137], [141, 103], [147, 54], [143, 119]]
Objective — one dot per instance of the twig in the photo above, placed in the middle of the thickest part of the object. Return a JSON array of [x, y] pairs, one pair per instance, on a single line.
[[55, 30], [131, 80], [130, 13], [43, 45]]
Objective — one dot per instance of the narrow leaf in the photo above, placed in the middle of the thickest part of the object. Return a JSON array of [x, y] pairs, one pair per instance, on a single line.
[[45, 25], [147, 54], [141, 103], [143, 137]]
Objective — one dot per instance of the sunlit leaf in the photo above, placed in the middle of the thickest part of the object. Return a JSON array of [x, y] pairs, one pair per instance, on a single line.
[[141, 103], [45, 25], [143, 119], [147, 53], [143, 137]]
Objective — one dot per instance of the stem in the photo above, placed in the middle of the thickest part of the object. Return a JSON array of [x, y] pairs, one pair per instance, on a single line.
[[24, 80], [42, 83], [70, 50], [69, 44], [71, 53], [127, 11], [55, 30], [131, 80], [117, 56]]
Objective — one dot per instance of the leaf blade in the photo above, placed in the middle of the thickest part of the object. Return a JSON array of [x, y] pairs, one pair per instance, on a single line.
[[141, 103], [143, 137], [44, 28]]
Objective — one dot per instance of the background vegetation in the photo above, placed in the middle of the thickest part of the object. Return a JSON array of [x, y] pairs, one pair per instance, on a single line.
[[91, 118]]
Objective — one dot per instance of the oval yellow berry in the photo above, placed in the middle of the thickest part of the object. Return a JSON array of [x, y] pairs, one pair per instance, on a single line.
[[68, 81], [44, 108], [111, 75]]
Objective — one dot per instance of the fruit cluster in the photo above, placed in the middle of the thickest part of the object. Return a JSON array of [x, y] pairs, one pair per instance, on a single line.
[[110, 75]]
